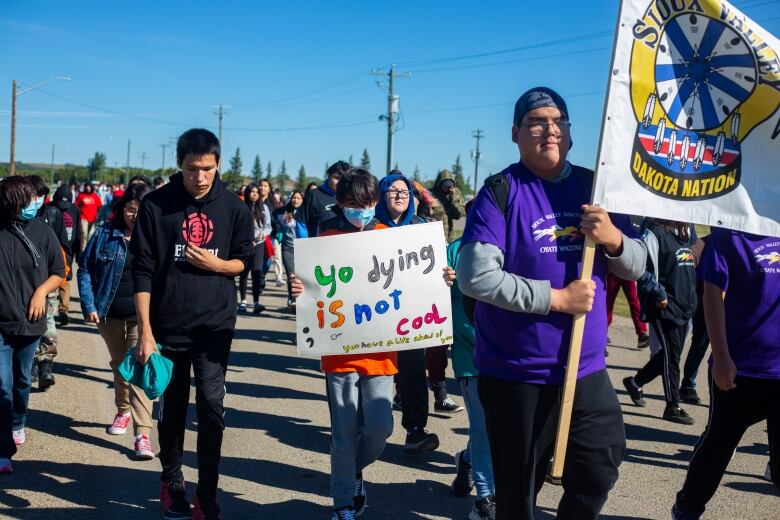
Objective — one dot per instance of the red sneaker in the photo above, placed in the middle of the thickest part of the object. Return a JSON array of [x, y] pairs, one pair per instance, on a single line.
[[205, 511], [119, 426], [143, 448]]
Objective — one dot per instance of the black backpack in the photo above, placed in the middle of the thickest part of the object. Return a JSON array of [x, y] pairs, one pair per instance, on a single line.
[[499, 188]]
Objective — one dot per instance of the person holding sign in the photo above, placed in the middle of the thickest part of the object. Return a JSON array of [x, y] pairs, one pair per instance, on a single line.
[[191, 238], [520, 259], [741, 293], [359, 386]]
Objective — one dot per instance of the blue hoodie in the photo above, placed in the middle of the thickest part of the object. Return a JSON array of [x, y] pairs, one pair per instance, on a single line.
[[382, 212]]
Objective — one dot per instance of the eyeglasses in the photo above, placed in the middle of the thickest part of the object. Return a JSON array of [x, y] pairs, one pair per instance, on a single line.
[[539, 128], [398, 194]]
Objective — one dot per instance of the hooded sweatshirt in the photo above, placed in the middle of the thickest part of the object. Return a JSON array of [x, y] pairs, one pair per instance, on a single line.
[[29, 255], [186, 301], [318, 207], [451, 208], [383, 214], [70, 219]]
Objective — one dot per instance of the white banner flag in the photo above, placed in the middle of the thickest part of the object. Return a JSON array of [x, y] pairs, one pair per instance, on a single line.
[[373, 291], [692, 124]]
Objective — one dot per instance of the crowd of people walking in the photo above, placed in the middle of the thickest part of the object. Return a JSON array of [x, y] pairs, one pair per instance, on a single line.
[[157, 272]]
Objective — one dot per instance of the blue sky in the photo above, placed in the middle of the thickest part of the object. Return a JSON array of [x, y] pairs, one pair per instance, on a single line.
[[298, 77]]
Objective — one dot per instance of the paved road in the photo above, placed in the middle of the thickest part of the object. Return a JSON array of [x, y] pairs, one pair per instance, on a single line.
[[275, 462]]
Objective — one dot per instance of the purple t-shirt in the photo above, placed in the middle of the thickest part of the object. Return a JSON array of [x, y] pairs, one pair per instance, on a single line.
[[747, 268], [540, 240]]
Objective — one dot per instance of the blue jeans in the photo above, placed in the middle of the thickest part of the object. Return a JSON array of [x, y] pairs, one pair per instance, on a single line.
[[16, 358], [478, 449]]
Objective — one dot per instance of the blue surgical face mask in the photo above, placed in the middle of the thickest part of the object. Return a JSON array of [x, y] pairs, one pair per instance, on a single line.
[[29, 211], [359, 217]]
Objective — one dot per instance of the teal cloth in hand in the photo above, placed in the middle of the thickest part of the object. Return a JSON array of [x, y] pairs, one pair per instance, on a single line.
[[152, 378]]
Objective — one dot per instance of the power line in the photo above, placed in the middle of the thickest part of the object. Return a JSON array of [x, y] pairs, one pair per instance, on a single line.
[[505, 62], [303, 94], [560, 41], [491, 105]]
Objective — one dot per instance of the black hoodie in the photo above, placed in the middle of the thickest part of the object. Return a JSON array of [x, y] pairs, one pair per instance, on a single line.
[[188, 302], [70, 219]]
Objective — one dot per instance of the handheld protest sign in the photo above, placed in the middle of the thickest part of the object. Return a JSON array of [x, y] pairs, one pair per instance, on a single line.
[[374, 291]]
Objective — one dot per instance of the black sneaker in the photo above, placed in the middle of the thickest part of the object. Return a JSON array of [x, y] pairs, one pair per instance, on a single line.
[[484, 509], [359, 500], [548, 476], [679, 514], [397, 402], [258, 309], [677, 415], [64, 319], [690, 396], [344, 513], [464, 479], [643, 341], [447, 405], [173, 499], [420, 441], [634, 391]]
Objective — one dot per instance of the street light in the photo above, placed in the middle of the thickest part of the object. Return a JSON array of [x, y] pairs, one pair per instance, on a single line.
[[14, 95]]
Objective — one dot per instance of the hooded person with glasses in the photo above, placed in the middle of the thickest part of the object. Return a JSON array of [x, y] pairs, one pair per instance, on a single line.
[[31, 267], [397, 208]]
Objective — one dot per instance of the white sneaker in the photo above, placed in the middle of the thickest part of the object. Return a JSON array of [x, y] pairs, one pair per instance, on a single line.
[[19, 436]]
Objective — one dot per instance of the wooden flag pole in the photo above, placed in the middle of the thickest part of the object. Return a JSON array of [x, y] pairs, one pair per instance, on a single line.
[[572, 368], [578, 322]]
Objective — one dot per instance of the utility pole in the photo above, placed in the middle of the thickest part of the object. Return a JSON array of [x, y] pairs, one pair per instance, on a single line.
[[392, 108], [143, 162], [220, 111], [476, 155], [52, 166], [127, 165], [14, 95], [162, 170]]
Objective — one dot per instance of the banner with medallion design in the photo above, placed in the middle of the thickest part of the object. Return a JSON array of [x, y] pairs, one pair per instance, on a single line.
[[692, 124]]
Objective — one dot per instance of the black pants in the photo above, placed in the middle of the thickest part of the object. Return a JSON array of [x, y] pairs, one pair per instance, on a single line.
[[288, 260], [208, 358], [731, 414], [521, 420], [665, 362], [700, 340], [412, 386], [257, 268]]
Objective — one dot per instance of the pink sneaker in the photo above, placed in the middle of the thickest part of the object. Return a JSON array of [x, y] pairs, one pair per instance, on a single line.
[[5, 466], [143, 448], [119, 426], [19, 436]]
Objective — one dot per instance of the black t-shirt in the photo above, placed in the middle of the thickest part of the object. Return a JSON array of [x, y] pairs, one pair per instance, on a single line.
[[318, 207], [123, 305]]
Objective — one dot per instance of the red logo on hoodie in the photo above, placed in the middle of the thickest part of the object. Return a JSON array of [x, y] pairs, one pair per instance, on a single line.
[[197, 229]]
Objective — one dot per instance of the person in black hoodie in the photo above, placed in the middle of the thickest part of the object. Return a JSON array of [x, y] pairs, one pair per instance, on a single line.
[[318, 205], [63, 202], [31, 266], [191, 238], [667, 295]]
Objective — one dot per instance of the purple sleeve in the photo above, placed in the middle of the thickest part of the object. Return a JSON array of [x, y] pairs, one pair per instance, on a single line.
[[485, 222], [714, 261]]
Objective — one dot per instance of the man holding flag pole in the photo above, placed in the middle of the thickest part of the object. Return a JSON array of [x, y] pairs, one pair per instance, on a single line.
[[521, 256]]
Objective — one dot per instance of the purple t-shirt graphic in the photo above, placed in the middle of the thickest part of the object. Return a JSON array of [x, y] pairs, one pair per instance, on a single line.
[[540, 239], [747, 268]]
